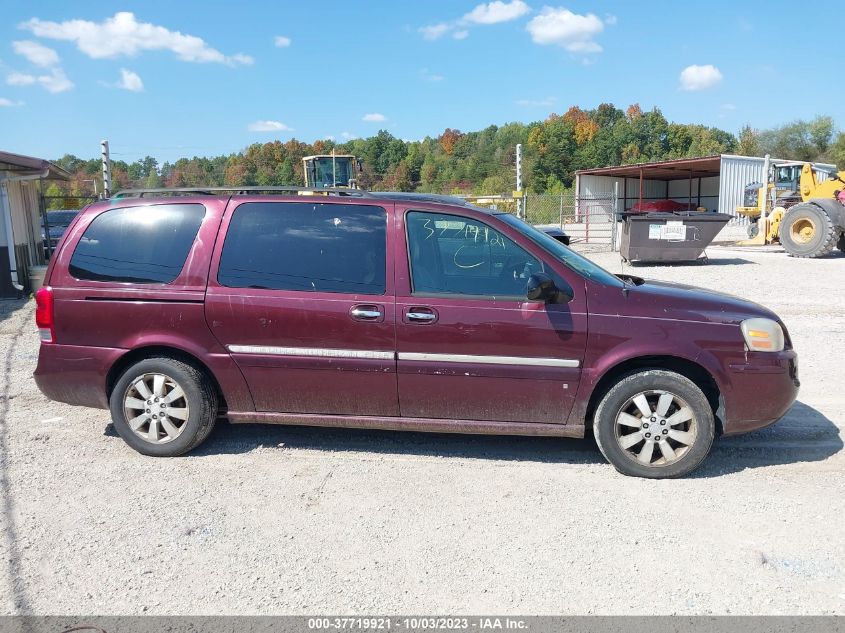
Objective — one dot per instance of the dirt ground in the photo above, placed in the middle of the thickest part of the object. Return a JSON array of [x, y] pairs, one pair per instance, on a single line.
[[280, 520]]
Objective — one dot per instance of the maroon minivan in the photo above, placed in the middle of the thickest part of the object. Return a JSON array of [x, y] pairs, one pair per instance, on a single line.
[[391, 311]]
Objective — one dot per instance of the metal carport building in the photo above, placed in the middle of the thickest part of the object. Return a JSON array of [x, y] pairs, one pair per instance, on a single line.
[[20, 218], [715, 183]]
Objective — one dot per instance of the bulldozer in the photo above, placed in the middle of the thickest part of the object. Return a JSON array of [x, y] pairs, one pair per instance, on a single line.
[[797, 208], [331, 170]]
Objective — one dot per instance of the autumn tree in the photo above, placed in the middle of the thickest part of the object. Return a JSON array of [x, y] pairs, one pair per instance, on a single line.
[[448, 140], [481, 161]]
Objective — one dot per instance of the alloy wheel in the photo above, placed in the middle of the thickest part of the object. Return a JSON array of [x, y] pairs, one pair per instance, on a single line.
[[155, 408], [655, 428]]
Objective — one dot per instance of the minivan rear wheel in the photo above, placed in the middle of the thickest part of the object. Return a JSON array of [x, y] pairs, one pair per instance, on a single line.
[[654, 423], [163, 407]]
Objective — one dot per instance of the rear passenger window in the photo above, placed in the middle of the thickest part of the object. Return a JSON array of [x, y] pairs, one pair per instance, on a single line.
[[144, 245], [306, 246]]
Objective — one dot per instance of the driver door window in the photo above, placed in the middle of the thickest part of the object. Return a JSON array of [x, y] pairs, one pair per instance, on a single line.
[[454, 255]]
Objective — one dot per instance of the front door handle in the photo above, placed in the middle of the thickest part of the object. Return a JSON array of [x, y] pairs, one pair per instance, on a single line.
[[366, 313], [421, 315]]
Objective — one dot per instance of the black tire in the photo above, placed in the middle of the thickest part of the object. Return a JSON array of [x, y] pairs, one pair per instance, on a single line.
[[822, 233], [689, 455], [753, 229], [841, 243], [199, 399]]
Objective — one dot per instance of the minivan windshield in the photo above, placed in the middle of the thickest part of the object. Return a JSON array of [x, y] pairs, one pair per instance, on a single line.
[[560, 251]]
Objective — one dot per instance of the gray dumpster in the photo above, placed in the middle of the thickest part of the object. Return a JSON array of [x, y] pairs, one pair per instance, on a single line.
[[680, 236]]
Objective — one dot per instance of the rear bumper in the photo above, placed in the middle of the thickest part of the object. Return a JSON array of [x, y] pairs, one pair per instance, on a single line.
[[75, 375], [763, 388]]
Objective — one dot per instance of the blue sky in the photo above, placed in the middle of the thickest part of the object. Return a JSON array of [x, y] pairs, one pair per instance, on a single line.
[[181, 78]]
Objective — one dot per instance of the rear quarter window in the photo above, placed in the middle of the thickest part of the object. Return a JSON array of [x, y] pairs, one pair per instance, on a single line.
[[145, 245]]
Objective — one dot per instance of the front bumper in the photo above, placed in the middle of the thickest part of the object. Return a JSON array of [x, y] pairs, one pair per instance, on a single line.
[[763, 387]]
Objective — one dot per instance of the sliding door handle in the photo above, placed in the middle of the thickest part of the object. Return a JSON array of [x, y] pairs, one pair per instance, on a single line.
[[366, 313], [421, 315]]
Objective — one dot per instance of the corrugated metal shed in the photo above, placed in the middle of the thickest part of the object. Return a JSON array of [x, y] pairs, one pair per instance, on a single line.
[[735, 173], [722, 180], [603, 187]]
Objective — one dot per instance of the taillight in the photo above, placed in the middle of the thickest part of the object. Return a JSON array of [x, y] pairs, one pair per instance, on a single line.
[[44, 313]]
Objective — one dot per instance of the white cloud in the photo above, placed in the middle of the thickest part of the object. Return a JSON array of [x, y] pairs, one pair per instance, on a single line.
[[493, 12], [427, 75], [349, 136], [268, 126], [435, 31], [700, 77], [537, 103], [8, 103], [726, 109], [328, 137], [240, 59], [562, 27], [36, 53], [122, 35], [20, 79], [374, 117], [497, 11], [55, 82], [281, 41], [130, 81], [610, 19]]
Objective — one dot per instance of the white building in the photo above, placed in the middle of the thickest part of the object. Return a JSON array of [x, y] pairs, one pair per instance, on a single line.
[[21, 245]]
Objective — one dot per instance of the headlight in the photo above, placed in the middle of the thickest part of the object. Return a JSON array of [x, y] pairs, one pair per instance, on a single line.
[[762, 335]]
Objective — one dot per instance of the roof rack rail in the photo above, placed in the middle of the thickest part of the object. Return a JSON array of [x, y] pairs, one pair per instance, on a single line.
[[256, 190]]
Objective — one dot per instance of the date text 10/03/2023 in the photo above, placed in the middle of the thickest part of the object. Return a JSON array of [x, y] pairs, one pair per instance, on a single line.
[[417, 623]]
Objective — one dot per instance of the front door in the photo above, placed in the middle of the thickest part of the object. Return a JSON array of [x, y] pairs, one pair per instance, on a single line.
[[470, 345], [300, 295]]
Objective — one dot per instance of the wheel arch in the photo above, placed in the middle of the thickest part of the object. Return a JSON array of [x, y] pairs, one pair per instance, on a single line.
[[162, 351], [692, 370], [834, 210]]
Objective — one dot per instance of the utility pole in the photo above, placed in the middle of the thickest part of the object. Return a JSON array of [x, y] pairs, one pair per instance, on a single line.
[[104, 152], [520, 201]]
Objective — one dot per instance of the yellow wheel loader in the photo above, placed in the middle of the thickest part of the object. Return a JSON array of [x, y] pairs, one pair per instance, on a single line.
[[804, 214], [331, 170]]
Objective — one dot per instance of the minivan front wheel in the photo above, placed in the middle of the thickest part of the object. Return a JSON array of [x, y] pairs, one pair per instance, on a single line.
[[163, 407], [654, 423]]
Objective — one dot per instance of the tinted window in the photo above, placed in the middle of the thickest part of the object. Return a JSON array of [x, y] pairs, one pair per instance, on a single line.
[[146, 244], [450, 254], [305, 246]]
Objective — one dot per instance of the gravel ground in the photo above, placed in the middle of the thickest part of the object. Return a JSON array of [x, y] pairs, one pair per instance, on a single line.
[[267, 519]]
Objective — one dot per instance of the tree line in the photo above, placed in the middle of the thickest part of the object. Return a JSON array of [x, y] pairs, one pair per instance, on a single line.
[[480, 162]]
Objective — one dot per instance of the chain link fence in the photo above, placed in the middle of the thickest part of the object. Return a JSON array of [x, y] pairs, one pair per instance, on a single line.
[[589, 221], [65, 203], [54, 222]]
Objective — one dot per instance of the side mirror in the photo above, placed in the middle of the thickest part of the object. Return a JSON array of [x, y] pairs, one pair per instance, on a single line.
[[541, 287]]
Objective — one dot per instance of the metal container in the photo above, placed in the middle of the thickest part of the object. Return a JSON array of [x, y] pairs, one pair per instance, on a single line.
[[36, 277], [669, 237]]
